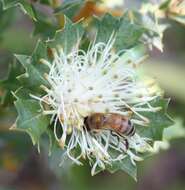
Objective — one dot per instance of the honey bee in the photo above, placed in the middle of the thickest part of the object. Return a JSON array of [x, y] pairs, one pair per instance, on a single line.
[[112, 121]]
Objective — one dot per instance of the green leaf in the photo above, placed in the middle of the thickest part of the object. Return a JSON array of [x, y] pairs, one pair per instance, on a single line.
[[165, 4], [25, 6], [10, 84], [128, 34], [145, 23], [175, 131], [45, 2], [56, 155], [45, 26], [125, 165], [158, 121], [68, 37], [23, 93], [105, 27], [31, 119], [39, 52], [135, 54], [6, 19], [70, 8], [34, 76]]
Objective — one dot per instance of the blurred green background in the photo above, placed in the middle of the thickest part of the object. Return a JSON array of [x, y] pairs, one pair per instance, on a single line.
[[22, 167]]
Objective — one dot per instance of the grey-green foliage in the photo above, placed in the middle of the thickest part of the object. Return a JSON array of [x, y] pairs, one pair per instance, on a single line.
[[24, 5]]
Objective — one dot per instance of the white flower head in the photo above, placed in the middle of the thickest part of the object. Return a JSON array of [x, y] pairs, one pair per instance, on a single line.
[[96, 81]]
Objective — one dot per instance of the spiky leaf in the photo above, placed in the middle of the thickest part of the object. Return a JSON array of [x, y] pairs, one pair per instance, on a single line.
[[9, 84], [68, 37], [45, 26], [34, 76], [31, 119], [25, 6], [6, 19], [158, 121], [70, 8], [106, 27], [125, 165], [128, 34]]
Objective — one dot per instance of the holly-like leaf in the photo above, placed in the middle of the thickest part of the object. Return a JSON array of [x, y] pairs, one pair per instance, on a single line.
[[135, 55], [6, 19], [127, 33], [175, 131], [106, 27], [45, 26], [158, 121], [68, 37], [125, 165], [138, 26], [164, 5], [23, 93], [39, 52], [10, 84], [25, 6], [70, 8], [34, 76], [31, 119]]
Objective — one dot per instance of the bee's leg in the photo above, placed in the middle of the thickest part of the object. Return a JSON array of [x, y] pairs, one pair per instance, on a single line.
[[113, 134], [126, 144]]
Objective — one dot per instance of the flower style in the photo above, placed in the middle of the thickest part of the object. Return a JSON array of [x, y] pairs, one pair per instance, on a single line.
[[96, 81]]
